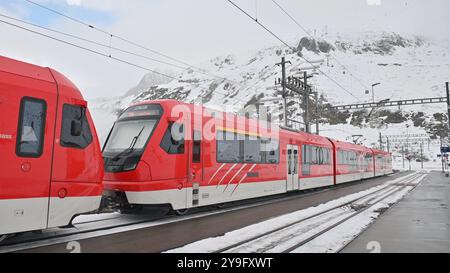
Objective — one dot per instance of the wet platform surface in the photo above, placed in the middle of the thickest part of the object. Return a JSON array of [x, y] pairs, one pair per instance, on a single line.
[[418, 223]]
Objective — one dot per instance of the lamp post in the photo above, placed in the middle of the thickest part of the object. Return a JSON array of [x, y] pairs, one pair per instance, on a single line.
[[373, 92]]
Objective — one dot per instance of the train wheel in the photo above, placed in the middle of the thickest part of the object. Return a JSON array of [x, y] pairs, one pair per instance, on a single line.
[[181, 212]]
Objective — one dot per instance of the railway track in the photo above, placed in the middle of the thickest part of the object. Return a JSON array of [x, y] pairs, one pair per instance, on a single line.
[[116, 223], [290, 237]]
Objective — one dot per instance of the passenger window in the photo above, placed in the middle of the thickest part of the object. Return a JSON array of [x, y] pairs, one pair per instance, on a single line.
[[30, 136], [169, 143], [270, 151], [240, 148], [228, 147], [252, 150], [75, 132]]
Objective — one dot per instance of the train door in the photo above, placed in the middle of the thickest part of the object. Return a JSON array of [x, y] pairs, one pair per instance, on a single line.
[[195, 170], [27, 133], [292, 168]]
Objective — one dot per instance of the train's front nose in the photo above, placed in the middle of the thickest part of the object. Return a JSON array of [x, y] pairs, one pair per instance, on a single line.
[[125, 170]]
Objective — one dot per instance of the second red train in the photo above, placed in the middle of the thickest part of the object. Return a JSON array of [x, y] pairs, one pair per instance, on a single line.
[[146, 165]]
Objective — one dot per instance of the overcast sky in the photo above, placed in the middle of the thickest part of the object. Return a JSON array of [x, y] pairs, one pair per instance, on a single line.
[[195, 30]]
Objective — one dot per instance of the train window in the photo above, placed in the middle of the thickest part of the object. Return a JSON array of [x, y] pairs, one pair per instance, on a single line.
[[307, 154], [270, 151], [252, 147], [169, 143], [315, 155], [295, 169], [239, 148], [228, 148], [306, 159], [30, 136], [75, 132], [196, 147]]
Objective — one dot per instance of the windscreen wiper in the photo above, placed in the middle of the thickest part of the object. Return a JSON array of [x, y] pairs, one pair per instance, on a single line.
[[130, 149]]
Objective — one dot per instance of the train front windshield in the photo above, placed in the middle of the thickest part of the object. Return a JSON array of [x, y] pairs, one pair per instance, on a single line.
[[131, 134], [129, 137]]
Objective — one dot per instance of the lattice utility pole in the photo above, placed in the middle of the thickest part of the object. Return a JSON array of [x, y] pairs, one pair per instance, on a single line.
[[283, 85]]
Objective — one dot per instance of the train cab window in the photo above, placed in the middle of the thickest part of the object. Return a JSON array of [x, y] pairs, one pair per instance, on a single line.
[[30, 136], [173, 140], [75, 132], [196, 147]]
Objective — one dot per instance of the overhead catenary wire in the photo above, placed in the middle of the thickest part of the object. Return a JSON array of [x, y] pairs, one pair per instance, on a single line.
[[111, 35], [92, 42], [310, 35], [291, 47], [87, 49], [103, 55], [128, 41]]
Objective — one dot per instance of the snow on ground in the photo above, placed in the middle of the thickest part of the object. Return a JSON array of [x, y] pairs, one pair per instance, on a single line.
[[236, 236], [416, 166], [95, 217]]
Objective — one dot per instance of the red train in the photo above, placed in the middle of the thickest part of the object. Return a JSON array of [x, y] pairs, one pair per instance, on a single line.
[[51, 163], [146, 164]]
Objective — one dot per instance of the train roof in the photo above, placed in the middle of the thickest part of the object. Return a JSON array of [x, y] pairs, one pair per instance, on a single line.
[[311, 138], [380, 152], [349, 146], [66, 87], [287, 132]]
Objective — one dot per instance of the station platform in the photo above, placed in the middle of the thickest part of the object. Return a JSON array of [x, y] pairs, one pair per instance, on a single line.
[[420, 223]]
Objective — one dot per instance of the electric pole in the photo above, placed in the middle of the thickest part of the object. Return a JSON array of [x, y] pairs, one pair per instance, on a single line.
[[381, 142], [317, 112], [283, 85], [447, 87], [421, 154], [403, 156], [306, 100]]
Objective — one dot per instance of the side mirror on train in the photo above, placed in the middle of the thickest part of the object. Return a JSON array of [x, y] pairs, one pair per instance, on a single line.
[[75, 128]]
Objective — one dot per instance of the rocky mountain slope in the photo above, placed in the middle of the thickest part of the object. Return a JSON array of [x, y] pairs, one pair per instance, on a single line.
[[406, 66]]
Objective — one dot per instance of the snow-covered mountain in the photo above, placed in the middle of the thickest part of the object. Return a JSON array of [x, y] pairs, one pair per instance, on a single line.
[[151, 79], [407, 66]]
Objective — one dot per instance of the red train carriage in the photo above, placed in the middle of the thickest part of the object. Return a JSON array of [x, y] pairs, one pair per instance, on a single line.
[[51, 164], [383, 162], [353, 162], [146, 164]]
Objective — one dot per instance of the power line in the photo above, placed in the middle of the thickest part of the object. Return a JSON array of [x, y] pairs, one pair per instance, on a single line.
[[87, 49], [104, 55], [310, 35], [103, 31], [100, 54], [261, 25], [91, 41], [292, 48], [111, 35]]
